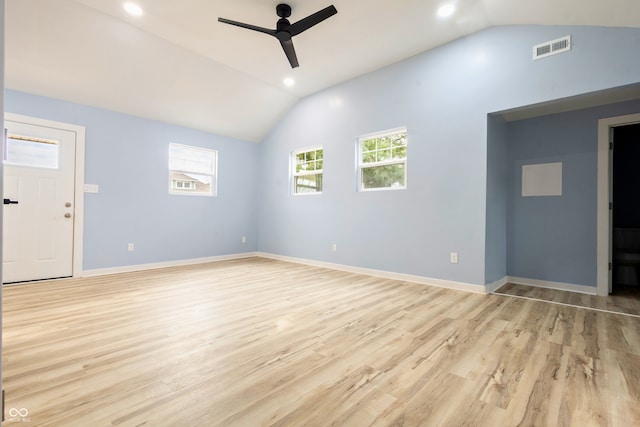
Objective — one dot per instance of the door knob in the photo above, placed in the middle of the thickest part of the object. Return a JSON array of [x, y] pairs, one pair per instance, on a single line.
[[67, 215], [10, 202]]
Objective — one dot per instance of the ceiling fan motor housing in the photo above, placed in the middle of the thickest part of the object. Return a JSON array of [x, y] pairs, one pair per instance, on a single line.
[[283, 10]]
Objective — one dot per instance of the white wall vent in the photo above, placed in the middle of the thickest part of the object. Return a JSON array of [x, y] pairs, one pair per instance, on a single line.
[[552, 47]]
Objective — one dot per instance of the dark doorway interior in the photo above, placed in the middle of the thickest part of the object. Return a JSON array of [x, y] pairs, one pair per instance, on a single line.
[[626, 210]]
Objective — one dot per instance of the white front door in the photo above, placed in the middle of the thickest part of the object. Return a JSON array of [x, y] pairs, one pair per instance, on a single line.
[[38, 202]]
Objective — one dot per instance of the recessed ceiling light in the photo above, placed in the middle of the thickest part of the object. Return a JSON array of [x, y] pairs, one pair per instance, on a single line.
[[132, 9], [288, 82], [446, 10]]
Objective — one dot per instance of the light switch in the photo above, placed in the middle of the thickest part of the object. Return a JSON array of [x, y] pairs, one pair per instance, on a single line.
[[91, 188]]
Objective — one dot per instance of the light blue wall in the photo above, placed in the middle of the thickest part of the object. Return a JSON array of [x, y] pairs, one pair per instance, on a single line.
[[443, 96], [127, 157], [554, 238], [452, 203], [496, 230]]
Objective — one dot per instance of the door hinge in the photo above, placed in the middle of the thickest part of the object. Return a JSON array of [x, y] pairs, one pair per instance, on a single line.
[[611, 136], [611, 146], [610, 205], [610, 266]]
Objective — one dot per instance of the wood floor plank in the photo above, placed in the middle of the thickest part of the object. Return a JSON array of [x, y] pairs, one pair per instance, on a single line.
[[625, 299], [258, 342]]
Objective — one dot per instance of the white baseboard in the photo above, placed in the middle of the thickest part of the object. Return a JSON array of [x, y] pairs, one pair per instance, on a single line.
[[589, 290], [492, 287], [177, 263], [448, 284], [460, 286]]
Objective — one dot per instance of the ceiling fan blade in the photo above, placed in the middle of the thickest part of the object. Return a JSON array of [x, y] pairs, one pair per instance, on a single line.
[[311, 20], [248, 26], [287, 46]]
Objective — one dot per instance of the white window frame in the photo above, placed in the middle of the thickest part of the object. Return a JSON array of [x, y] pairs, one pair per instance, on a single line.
[[295, 174], [362, 165], [213, 174]]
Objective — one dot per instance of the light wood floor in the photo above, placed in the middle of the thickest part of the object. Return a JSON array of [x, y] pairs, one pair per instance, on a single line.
[[625, 299], [259, 342]]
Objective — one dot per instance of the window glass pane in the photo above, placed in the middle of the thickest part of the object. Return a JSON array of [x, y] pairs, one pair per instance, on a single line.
[[389, 176], [376, 153], [308, 183], [384, 155], [384, 143], [369, 145], [25, 151], [190, 159], [400, 153], [186, 185], [399, 139], [191, 170], [307, 175], [200, 183], [369, 157]]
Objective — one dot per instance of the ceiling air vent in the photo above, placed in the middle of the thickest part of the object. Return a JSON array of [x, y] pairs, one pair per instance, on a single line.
[[552, 47]]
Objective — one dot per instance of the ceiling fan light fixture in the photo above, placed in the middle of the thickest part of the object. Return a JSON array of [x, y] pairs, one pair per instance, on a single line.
[[132, 9], [446, 10]]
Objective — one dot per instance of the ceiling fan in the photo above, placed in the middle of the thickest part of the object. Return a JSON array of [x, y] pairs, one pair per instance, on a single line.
[[285, 30]]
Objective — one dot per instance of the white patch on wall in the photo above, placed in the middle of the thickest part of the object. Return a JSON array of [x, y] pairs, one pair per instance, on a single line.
[[542, 179]]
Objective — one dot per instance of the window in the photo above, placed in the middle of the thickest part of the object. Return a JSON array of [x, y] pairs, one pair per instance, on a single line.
[[30, 151], [192, 170], [382, 160], [307, 171]]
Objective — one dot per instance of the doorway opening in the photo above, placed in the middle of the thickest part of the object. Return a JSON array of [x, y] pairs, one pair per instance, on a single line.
[[618, 235], [625, 176]]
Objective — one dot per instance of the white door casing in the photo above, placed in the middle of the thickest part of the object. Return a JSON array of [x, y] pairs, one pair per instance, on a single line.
[[43, 232]]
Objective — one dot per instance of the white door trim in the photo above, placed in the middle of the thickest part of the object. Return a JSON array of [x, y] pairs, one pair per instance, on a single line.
[[78, 224], [603, 275]]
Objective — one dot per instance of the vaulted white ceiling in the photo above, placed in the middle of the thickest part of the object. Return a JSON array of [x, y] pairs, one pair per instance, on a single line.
[[177, 64]]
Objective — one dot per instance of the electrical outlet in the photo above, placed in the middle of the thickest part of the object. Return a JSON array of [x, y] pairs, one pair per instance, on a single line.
[[244, 239], [130, 247], [454, 257], [334, 248]]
